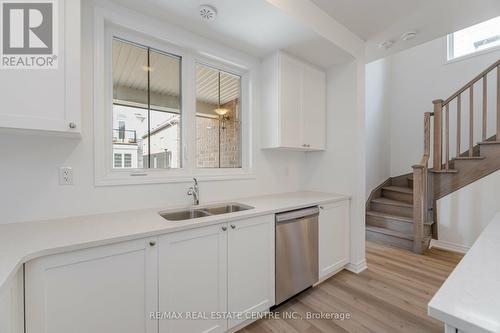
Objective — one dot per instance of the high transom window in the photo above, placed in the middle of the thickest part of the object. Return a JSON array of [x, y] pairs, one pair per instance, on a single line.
[[477, 38]]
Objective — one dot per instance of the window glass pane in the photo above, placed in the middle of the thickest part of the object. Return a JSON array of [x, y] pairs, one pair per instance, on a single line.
[[130, 98], [218, 127], [146, 106], [127, 160], [165, 116], [117, 160], [476, 38]]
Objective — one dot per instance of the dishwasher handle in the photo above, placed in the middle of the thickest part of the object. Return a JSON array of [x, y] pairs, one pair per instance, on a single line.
[[297, 214]]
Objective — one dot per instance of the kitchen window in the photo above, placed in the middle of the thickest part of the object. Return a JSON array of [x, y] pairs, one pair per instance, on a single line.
[[146, 105], [164, 113], [475, 39]]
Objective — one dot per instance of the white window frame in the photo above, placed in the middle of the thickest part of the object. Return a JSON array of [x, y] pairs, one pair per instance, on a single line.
[[449, 51], [110, 22]]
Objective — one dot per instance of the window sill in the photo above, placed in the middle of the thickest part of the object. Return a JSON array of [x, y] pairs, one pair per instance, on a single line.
[[116, 178]]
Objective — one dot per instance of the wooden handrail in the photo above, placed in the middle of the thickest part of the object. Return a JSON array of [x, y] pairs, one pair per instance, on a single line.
[[471, 82]]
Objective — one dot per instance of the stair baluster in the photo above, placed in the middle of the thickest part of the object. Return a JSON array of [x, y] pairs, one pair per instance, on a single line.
[[471, 120]]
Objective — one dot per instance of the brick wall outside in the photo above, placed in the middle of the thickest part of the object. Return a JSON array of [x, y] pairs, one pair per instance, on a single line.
[[207, 143]]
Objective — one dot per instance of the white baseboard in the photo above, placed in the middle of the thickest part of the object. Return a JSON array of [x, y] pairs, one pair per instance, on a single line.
[[358, 267], [448, 246]]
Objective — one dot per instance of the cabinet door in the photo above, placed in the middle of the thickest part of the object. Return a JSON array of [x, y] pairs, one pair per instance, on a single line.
[[193, 279], [48, 99], [12, 306], [333, 238], [314, 108], [110, 289], [250, 266], [290, 102]]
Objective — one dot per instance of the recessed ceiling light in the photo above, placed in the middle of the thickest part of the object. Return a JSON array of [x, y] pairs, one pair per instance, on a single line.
[[408, 35], [207, 12]]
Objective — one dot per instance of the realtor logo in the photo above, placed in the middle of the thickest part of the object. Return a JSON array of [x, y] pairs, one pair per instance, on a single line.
[[29, 39]]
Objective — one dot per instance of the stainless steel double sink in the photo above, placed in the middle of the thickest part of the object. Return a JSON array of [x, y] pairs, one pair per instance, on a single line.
[[197, 212]]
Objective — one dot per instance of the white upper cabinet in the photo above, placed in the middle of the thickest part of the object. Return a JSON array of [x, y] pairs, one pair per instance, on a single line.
[[294, 104], [44, 99]]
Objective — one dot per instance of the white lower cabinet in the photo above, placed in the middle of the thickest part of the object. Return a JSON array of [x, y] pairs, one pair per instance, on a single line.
[[108, 289], [334, 235], [250, 267], [189, 280], [12, 306], [216, 270], [193, 279]]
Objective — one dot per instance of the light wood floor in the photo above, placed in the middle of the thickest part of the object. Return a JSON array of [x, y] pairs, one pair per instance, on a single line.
[[390, 296]]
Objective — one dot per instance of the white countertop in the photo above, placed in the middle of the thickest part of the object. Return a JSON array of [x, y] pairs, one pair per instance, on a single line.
[[21, 242], [470, 298]]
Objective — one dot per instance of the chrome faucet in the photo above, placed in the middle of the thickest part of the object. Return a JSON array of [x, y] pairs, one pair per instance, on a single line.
[[195, 192]]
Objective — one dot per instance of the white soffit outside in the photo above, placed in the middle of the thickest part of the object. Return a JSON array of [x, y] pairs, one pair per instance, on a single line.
[[377, 21], [255, 27], [129, 63]]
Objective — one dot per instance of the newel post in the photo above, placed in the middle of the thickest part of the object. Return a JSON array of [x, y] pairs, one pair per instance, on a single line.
[[438, 133], [419, 213]]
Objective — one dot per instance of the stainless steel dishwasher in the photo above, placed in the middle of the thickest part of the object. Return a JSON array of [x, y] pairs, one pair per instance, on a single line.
[[296, 252]]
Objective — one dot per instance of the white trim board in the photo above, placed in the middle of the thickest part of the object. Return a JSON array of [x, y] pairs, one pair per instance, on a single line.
[[358, 267], [448, 246]]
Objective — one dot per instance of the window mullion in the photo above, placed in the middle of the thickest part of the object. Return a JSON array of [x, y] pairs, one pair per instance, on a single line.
[[148, 71]]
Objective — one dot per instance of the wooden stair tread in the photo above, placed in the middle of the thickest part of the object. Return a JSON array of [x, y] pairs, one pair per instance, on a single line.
[[400, 189], [468, 158], [389, 232], [390, 216], [489, 142], [443, 171], [394, 217], [387, 201]]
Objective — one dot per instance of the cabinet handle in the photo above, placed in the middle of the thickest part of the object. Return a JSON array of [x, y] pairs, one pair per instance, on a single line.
[[72, 125], [233, 226], [152, 243], [224, 228]]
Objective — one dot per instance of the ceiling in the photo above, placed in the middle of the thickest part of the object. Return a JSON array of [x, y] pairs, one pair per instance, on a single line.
[[130, 71], [377, 21], [258, 28], [367, 18], [252, 26]]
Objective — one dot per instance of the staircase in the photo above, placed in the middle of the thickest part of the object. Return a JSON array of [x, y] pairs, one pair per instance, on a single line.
[[389, 214], [400, 212]]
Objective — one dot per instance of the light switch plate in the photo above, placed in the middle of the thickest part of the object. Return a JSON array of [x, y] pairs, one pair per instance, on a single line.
[[65, 176]]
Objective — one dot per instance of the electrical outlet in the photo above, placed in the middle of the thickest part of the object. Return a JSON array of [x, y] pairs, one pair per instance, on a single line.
[[65, 176]]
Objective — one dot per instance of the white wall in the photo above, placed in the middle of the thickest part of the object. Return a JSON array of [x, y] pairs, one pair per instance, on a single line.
[[419, 76], [341, 167], [378, 123], [29, 170], [463, 214]]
